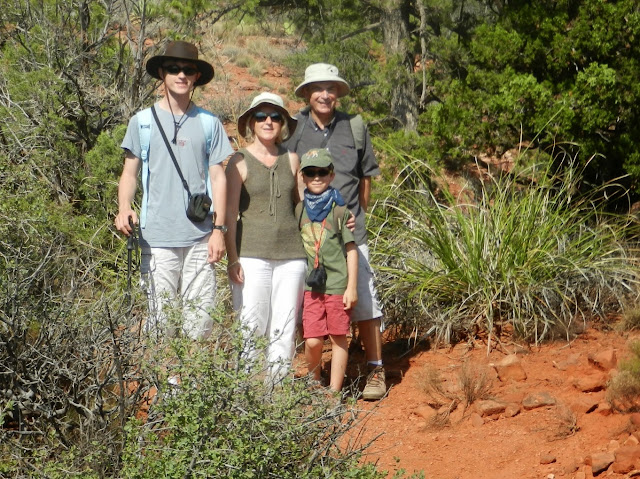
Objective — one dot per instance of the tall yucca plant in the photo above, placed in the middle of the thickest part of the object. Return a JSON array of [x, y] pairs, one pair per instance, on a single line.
[[530, 252]]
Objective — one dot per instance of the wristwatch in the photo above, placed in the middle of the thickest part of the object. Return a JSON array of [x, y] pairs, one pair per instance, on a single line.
[[222, 228]]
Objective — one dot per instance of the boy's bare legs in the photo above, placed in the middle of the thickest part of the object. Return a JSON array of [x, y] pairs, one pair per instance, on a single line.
[[313, 354], [339, 356]]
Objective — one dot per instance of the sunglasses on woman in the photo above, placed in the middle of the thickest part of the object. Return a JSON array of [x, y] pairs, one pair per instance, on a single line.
[[261, 116], [175, 69], [313, 172]]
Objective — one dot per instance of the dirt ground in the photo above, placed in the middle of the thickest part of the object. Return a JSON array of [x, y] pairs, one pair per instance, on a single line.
[[552, 441]]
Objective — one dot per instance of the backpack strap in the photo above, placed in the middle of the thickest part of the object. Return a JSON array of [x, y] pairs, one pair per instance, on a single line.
[[207, 118], [358, 130], [298, 213], [338, 214], [297, 134], [356, 122], [144, 131], [145, 125]]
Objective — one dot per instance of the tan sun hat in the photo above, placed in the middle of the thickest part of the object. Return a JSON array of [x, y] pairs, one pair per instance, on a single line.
[[273, 100], [184, 51], [323, 72]]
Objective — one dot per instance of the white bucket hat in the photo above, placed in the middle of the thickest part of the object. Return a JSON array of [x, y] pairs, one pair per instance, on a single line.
[[323, 72], [266, 98]]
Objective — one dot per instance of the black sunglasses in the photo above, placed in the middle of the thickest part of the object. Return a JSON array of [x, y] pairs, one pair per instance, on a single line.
[[261, 116], [313, 172], [175, 69]]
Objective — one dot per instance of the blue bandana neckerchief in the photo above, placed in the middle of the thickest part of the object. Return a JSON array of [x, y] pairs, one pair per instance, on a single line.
[[318, 206]]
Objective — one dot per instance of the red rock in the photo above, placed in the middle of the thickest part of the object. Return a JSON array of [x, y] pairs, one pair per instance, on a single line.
[[489, 407], [584, 405], [572, 360], [604, 360], [539, 399], [605, 409], [600, 461], [547, 459], [476, 420], [512, 410], [510, 369], [635, 419], [594, 382], [628, 455]]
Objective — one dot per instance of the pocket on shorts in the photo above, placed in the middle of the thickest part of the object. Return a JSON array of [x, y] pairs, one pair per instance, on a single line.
[[147, 266]]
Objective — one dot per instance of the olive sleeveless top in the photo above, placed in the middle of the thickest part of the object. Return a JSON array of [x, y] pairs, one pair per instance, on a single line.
[[267, 227]]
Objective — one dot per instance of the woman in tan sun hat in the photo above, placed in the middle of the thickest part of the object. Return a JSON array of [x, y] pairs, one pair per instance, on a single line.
[[267, 262]]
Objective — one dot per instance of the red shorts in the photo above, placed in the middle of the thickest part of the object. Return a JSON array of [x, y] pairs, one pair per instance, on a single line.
[[324, 314]]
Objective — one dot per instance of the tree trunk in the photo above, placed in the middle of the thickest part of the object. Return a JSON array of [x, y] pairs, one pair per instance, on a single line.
[[395, 28]]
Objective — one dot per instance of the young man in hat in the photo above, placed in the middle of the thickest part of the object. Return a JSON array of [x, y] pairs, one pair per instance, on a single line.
[[321, 125], [179, 149]]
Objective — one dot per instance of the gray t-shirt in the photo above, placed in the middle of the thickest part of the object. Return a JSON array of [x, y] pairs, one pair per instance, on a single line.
[[167, 224], [349, 168]]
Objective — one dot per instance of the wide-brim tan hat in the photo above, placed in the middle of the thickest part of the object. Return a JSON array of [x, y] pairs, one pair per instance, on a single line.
[[184, 51], [323, 72], [270, 99]]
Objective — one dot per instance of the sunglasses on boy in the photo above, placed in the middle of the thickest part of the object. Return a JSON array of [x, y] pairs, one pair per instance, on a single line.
[[316, 172], [175, 69], [261, 116]]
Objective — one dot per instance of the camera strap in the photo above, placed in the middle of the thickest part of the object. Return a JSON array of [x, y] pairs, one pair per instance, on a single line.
[[316, 261], [173, 156]]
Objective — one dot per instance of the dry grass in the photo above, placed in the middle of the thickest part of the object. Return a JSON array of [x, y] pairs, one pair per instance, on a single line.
[[567, 425], [445, 395], [475, 383], [623, 392], [630, 319]]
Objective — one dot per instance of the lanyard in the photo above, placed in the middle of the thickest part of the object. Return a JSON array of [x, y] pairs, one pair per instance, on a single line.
[[316, 262]]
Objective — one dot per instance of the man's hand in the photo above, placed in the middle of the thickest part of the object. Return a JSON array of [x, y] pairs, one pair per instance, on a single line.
[[350, 298], [351, 223], [122, 221], [216, 246]]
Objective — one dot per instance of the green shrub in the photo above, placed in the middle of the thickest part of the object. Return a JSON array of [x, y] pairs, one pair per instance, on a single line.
[[78, 380], [529, 252], [225, 421]]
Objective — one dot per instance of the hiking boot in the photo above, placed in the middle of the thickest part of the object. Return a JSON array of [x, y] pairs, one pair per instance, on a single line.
[[376, 386]]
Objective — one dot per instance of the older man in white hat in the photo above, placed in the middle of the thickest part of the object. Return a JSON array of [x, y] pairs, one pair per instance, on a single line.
[[321, 125], [178, 148]]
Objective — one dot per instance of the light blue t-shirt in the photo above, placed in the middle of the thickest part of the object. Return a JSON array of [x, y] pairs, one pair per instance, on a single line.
[[167, 224]]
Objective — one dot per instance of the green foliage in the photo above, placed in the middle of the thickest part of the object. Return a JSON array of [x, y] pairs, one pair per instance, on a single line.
[[98, 183], [225, 421], [493, 75], [529, 251], [76, 375]]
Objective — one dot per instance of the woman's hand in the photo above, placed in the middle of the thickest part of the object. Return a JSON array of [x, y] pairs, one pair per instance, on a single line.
[[235, 272]]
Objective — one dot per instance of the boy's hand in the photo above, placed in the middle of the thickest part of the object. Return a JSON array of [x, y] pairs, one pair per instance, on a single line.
[[350, 298]]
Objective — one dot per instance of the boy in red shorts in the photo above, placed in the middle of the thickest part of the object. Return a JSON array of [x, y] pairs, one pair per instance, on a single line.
[[332, 259]]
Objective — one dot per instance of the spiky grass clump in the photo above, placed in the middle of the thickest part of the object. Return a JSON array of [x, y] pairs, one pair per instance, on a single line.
[[530, 253]]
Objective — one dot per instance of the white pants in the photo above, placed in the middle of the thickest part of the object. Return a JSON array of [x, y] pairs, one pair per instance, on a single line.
[[368, 307], [184, 277], [269, 303]]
